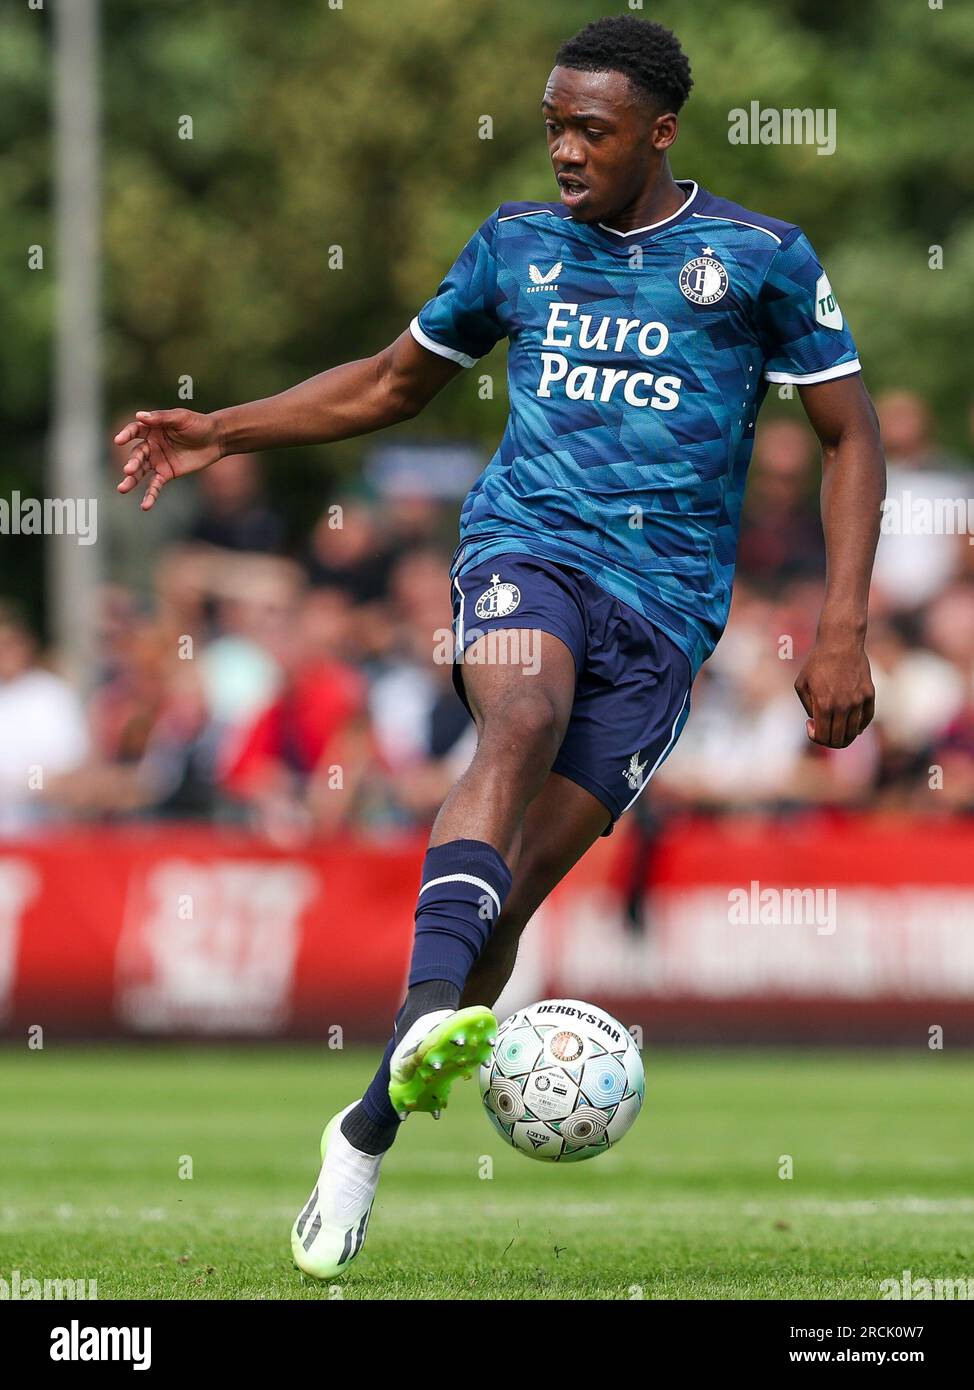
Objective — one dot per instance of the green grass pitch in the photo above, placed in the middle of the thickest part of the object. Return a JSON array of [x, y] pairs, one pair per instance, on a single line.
[[690, 1205]]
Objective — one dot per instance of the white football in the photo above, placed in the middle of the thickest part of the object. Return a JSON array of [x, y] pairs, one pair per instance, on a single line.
[[564, 1081]]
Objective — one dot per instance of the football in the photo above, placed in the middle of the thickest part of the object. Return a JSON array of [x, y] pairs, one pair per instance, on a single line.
[[564, 1081]]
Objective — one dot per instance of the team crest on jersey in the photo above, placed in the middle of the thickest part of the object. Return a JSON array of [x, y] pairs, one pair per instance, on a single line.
[[634, 772], [499, 600], [704, 280]]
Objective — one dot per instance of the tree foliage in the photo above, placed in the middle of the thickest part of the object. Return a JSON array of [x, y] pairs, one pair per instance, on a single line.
[[359, 125]]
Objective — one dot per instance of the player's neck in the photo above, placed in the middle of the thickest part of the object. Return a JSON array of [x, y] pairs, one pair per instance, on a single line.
[[654, 204]]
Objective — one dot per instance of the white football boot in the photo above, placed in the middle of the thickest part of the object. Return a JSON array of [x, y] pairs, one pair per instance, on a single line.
[[439, 1047], [330, 1231]]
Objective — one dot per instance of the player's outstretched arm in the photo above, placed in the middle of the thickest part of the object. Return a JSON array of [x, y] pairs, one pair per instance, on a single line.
[[352, 399], [835, 685]]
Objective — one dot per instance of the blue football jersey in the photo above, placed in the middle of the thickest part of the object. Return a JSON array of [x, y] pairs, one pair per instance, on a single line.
[[637, 365]]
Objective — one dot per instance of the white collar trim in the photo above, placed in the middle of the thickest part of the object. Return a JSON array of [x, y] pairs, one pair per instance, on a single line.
[[653, 225]]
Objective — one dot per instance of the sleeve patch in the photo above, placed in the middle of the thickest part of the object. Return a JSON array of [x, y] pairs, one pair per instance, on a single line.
[[827, 312]]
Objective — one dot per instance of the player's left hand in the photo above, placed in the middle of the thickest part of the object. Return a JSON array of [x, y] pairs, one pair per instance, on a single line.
[[835, 686]]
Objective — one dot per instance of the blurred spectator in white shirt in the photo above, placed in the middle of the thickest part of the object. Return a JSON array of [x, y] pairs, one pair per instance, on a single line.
[[916, 557], [43, 731]]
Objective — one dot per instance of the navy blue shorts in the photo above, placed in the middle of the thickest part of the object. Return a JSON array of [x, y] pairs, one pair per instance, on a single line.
[[632, 683]]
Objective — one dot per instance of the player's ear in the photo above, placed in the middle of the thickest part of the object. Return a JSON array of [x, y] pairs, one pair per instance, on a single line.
[[665, 130]]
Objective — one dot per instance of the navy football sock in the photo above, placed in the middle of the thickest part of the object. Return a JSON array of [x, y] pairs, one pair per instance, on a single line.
[[425, 998], [462, 892], [373, 1124]]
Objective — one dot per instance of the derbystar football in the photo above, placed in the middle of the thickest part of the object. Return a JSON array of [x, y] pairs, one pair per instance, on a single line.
[[564, 1081]]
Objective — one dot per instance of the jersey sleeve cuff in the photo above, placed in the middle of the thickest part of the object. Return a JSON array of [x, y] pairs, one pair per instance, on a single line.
[[810, 378], [440, 349]]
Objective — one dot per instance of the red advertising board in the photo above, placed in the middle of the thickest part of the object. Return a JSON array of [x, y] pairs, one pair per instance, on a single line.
[[815, 930]]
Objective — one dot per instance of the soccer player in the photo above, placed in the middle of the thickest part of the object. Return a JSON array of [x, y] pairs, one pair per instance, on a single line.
[[646, 318]]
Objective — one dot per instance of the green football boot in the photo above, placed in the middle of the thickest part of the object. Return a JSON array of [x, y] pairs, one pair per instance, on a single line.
[[438, 1048]]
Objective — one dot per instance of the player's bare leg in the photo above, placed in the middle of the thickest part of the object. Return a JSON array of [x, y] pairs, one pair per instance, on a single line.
[[521, 716], [561, 823]]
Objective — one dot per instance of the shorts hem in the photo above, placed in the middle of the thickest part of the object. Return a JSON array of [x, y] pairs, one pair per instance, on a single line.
[[588, 783]]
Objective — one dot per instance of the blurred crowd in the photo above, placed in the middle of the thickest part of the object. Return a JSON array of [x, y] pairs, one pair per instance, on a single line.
[[300, 686]]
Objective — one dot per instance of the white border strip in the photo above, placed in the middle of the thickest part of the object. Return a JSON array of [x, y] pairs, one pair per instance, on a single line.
[[427, 342], [535, 212], [458, 642], [738, 222], [646, 780], [464, 878], [789, 378]]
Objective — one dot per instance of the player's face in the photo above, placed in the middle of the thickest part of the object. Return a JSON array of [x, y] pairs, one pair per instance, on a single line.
[[605, 142]]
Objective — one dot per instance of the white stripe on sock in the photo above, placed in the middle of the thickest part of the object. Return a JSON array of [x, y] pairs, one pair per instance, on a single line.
[[464, 878]]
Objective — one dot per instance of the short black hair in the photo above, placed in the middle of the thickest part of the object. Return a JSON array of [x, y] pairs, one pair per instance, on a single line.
[[649, 55]]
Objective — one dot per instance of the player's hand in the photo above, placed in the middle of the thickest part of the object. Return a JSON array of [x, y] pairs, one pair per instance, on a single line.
[[167, 444], [835, 686]]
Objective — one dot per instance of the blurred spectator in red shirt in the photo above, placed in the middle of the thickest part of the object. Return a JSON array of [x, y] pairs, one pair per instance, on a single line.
[[298, 765]]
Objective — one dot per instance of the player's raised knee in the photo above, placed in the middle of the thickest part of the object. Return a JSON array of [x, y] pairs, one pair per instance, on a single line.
[[527, 722]]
